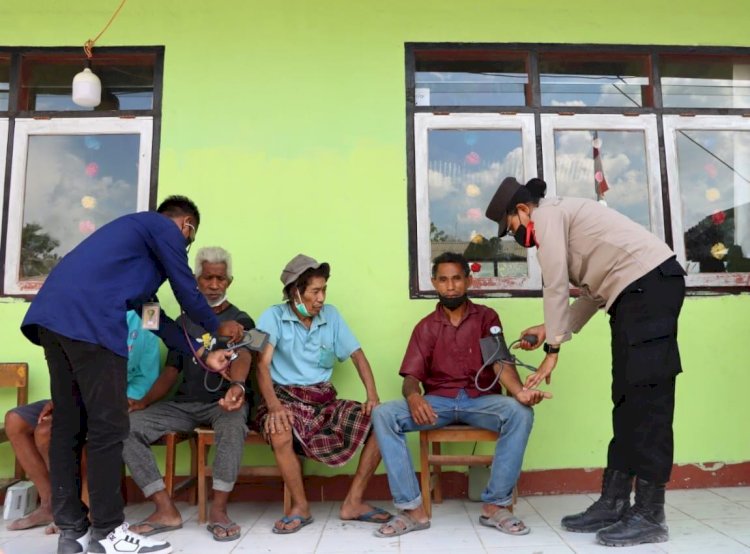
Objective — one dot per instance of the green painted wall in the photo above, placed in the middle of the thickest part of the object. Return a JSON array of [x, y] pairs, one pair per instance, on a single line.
[[286, 125]]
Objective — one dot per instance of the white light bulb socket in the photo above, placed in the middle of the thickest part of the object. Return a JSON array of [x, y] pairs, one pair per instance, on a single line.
[[87, 89]]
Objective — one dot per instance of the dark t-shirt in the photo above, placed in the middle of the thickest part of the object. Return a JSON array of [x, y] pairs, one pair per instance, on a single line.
[[444, 358], [195, 380]]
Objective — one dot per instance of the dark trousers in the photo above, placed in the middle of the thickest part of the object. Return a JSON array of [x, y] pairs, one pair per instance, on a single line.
[[89, 391], [645, 364]]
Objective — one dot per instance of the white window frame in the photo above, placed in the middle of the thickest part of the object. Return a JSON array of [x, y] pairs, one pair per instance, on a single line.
[[673, 124], [26, 127], [609, 122], [423, 124], [3, 150]]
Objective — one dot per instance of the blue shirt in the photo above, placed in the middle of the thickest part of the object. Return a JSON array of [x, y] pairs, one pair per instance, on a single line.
[[143, 357], [118, 268], [305, 356]]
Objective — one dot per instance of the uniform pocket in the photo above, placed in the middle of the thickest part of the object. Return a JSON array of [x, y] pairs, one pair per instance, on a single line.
[[326, 357], [653, 356]]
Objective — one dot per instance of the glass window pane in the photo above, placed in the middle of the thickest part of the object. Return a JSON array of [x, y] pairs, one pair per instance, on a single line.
[[74, 185], [465, 168], [468, 78], [705, 83], [4, 84], [127, 84], [714, 170], [590, 82], [609, 166]]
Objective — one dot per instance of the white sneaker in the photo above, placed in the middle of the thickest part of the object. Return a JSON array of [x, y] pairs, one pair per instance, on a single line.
[[123, 541]]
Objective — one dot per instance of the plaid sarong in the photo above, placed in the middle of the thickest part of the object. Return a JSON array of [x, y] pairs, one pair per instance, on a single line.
[[329, 430]]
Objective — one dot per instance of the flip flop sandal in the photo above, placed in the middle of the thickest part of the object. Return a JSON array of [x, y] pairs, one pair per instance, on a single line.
[[372, 516], [503, 520], [212, 527], [155, 527], [401, 524], [286, 520]]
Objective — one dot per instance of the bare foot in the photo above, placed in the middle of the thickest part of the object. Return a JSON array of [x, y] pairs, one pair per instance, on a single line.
[[51, 529], [40, 516], [364, 512], [221, 525]]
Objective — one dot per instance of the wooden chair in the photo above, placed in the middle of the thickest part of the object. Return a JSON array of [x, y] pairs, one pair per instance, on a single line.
[[170, 441], [205, 440], [15, 375], [431, 460]]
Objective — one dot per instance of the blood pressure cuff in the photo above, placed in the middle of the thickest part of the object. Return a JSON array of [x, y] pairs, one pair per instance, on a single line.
[[652, 353]]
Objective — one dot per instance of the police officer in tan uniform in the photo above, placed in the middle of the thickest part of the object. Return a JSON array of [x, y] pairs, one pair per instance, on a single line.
[[622, 268]]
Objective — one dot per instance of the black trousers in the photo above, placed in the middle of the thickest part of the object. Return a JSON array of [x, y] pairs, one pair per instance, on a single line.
[[645, 364], [89, 391]]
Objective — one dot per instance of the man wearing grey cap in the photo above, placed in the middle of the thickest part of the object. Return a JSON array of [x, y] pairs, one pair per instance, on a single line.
[[300, 413]]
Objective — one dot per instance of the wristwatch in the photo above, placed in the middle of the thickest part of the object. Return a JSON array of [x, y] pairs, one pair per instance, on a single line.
[[206, 352], [551, 349]]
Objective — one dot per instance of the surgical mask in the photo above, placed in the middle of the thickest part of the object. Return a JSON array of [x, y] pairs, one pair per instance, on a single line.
[[452, 302], [525, 236], [301, 308]]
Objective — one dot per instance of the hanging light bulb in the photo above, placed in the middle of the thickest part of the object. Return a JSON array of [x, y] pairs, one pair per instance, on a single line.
[[87, 89]]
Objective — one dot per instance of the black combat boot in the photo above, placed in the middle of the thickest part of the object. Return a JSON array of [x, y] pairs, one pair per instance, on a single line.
[[642, 523], [611, 506]]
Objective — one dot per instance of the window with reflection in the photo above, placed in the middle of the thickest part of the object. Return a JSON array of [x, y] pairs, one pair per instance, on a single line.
[[4, 83], [604, 165], [470, 78], [465, 167], [705, 82], [127, 83], [593, 80], [714, 178], [658, 133]]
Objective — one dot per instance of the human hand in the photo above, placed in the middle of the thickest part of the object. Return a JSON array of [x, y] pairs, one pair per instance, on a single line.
[[370, 404], [421, 411], [232, 330], [542, 373], [46, 412], [233, 399], [135, 405], [279, 420], [218, 360], [538, 331], [531, 397]]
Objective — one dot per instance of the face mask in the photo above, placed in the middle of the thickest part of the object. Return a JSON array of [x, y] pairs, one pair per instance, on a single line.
[[525, 236], [452, 303], [301, 308]]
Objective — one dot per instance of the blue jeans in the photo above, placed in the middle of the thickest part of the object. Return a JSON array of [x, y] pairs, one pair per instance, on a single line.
[[503, 414]]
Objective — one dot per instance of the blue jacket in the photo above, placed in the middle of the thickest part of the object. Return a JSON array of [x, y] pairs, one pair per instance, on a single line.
[[116, 269]]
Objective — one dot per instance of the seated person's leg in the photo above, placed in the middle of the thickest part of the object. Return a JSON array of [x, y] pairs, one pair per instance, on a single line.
[[147, 426], [230, 432], [391, 421], [20, 426], [354, 506], [282, 442], [513, 421]]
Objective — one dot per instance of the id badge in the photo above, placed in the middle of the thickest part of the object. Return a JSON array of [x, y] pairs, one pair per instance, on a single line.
[[150, 313]]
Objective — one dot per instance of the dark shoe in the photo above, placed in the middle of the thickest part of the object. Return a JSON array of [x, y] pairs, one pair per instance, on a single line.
[[643, 523], [611, 506], [73, 542]]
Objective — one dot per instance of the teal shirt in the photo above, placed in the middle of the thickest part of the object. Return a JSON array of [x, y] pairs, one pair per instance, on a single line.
[[305, 356], [143, 357]]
